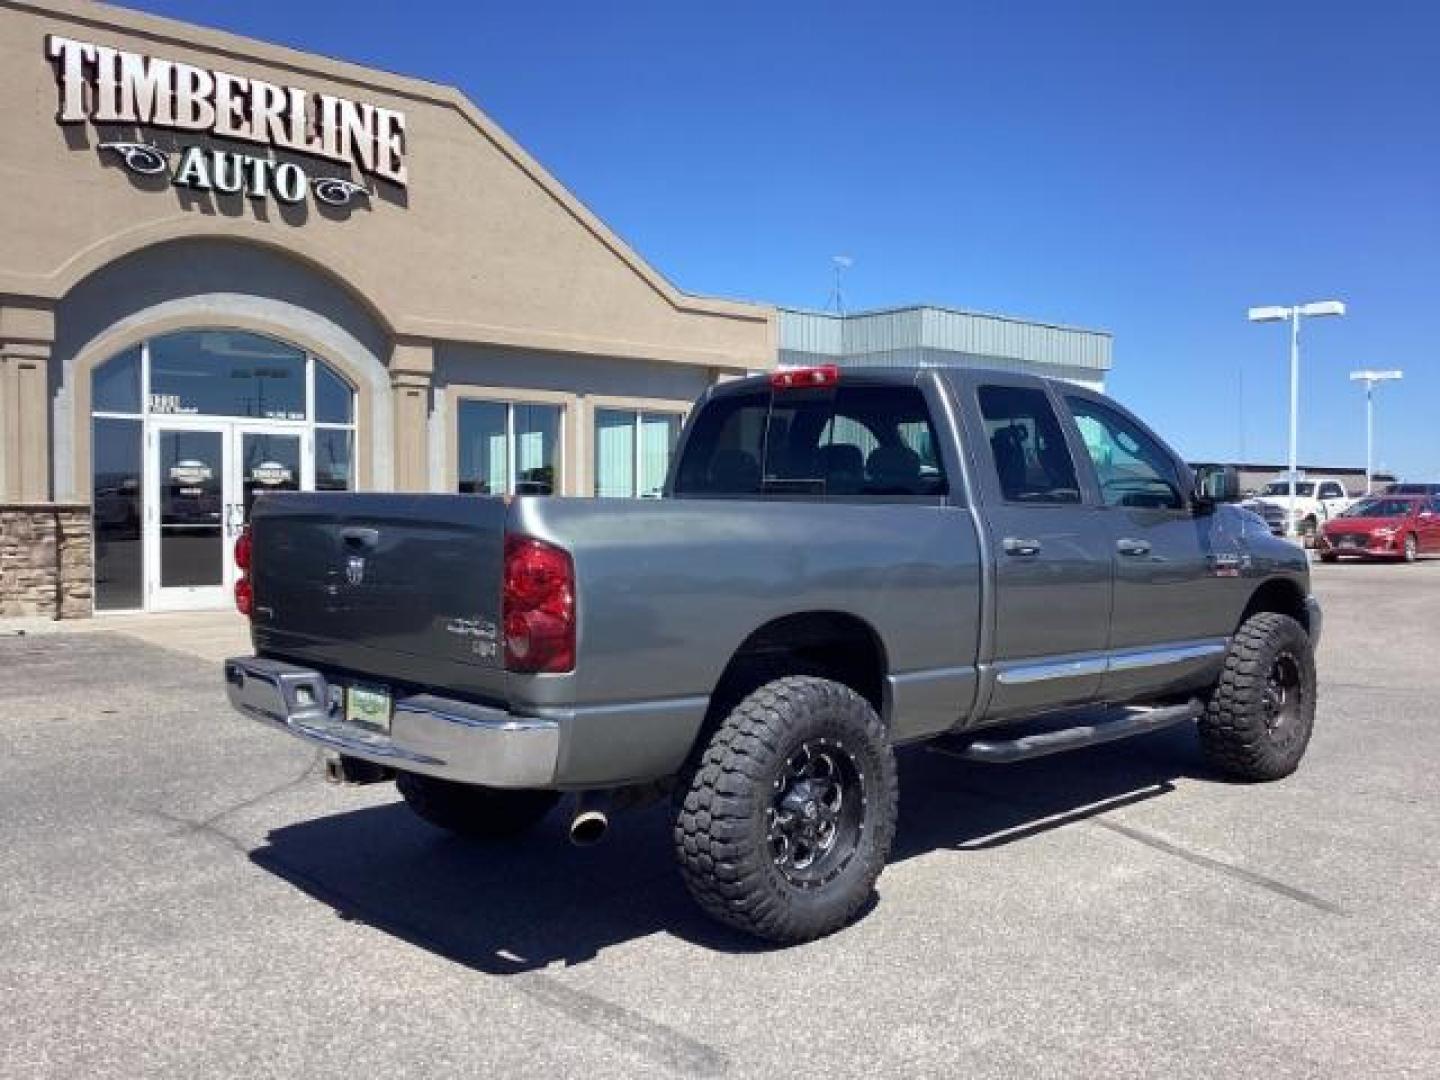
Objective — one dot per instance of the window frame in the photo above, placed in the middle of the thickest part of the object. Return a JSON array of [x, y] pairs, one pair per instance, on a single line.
[[510, 398], [596, 404]]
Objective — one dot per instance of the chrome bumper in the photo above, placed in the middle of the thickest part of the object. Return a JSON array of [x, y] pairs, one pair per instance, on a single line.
[[437, 736]]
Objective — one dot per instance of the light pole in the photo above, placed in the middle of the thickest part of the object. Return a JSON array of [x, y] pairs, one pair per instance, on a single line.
[[1294, 314], [1370, 378]]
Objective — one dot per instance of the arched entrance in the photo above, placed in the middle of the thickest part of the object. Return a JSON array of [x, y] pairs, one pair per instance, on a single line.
[[188, 428]]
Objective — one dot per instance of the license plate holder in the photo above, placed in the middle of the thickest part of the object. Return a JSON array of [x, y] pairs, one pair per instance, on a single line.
[[369, 706]]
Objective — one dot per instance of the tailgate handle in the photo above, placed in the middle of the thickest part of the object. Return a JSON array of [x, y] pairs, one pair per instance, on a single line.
[[360, 539]]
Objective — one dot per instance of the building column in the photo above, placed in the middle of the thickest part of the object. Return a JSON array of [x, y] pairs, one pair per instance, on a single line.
[[27, 332], [412, 369]]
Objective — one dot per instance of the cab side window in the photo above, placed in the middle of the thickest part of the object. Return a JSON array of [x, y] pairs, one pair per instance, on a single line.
[[1331, 491], [1133, 469], [1027, 446]]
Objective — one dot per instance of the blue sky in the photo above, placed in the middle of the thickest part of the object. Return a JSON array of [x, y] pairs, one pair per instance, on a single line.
[[1148, 168]]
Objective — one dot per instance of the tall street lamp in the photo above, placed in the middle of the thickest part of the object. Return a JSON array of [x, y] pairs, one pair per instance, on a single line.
[[1293, 315], [1370, 378]]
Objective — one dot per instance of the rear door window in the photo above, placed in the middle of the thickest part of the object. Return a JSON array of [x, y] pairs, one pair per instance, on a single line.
[[851, 443], [1027, 447]]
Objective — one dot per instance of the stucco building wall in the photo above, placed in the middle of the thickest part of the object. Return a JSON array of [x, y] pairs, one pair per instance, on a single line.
[[480, 276]]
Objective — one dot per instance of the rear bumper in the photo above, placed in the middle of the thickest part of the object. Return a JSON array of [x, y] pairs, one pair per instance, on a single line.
[[437, 736]]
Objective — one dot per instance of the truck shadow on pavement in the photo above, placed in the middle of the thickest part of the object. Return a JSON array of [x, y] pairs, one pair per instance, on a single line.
[[522, 905]]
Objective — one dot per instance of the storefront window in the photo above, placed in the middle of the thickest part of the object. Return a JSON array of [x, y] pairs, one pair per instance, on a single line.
[[632, 451], [537, 435], [334, 453], [508, 448], [118, 509], [116, 388], [334, 399], [226, 373]]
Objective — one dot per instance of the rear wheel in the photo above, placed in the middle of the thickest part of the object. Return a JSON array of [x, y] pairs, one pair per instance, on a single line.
[[469, 810], [1328, 556], [1261, 712], [787, 819]]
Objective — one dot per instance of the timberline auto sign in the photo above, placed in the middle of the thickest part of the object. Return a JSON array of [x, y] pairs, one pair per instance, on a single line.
[[111, 86]]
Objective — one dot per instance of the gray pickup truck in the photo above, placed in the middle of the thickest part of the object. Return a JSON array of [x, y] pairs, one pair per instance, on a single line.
[[842, 562]]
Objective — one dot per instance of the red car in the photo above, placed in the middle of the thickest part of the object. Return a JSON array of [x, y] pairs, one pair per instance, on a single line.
[[1384, 526]]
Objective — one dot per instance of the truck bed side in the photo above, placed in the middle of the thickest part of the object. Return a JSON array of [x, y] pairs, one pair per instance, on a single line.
[[670, 590]]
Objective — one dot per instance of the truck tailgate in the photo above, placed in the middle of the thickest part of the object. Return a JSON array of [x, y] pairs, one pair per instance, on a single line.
[[405, 588]]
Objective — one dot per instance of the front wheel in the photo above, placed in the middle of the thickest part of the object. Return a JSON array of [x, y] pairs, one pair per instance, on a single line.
[[1262, 711], [480, 813], [787, 820], [1412, 548]]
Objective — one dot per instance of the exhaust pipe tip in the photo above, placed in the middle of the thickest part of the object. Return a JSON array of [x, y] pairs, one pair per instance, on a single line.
[[588, 828]]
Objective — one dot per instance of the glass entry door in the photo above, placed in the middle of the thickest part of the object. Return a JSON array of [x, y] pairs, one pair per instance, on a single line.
[[186, 541], [267, 461], [204, 480]]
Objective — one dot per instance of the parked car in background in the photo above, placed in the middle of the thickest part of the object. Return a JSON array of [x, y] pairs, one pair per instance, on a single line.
[[1412, 489], [1317, 500], [1384, 526], [1271, 513]]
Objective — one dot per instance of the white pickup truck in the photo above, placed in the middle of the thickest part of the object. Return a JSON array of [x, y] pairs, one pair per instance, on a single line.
[[1317, 500]]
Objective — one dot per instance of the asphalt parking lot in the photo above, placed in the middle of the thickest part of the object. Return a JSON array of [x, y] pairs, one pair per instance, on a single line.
[[182, 895]]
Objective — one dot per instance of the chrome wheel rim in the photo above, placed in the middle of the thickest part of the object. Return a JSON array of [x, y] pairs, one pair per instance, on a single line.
[[816, 815]]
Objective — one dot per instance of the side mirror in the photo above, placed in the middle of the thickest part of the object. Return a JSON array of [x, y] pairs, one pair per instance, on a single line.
[[1215, 484]]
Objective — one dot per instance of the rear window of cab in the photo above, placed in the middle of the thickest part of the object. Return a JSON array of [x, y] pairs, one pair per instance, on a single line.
[[837, 443]]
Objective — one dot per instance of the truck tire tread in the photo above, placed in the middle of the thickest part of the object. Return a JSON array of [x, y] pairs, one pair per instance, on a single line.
[[719, 833], [1233, 731]]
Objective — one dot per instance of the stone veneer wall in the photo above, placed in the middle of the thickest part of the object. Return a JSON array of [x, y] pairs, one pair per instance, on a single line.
[[45, 560]]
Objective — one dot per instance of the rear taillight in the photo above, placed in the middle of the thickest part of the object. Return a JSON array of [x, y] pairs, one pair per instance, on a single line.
[[244, 597], [244, 593], [539, 606], [242, 549]]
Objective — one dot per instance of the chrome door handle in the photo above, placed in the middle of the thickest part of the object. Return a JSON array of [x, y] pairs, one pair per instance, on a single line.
[[1014, 545], [1129, 546]]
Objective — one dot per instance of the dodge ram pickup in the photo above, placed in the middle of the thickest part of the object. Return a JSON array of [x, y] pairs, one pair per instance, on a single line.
[[1317, 500], [842, 562]]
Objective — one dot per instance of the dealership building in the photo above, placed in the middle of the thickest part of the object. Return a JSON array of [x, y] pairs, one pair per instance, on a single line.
[[229, 267]]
